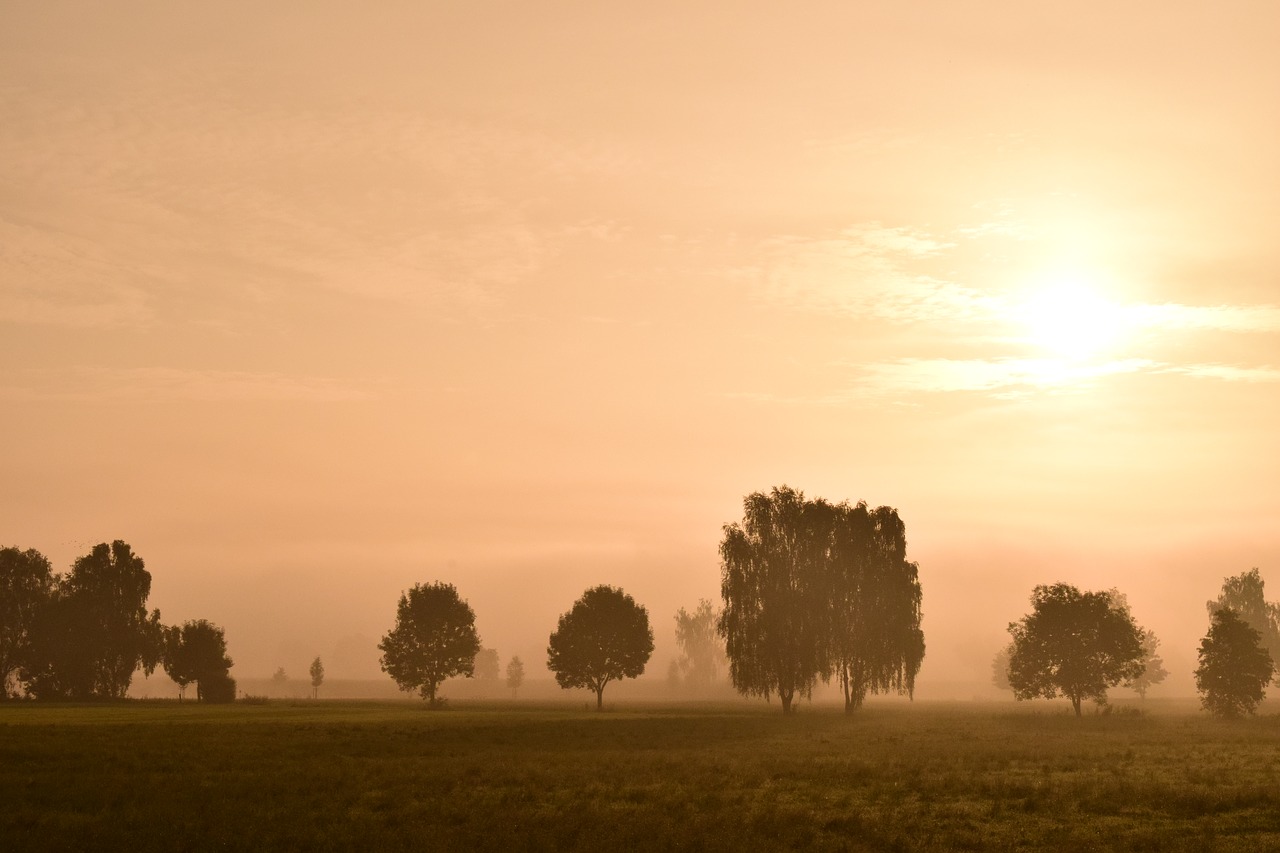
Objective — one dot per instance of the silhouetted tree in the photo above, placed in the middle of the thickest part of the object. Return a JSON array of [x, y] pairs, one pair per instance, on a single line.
[[487, 664], [1000, 668], [434, 638], [1245, 595], [26, 584], [606, 636], [701, 649], [196, 652], [95, 631], [1073, 644], [317, 677], [814, 589], [178, 660], [515, 674], [1234, 666], [775, 617], [874, 641]]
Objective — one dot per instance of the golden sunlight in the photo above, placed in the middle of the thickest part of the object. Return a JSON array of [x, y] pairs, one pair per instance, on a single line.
[[1070, 319]]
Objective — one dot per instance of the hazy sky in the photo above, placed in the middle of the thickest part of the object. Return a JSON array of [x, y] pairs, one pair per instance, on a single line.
[[310, 302]]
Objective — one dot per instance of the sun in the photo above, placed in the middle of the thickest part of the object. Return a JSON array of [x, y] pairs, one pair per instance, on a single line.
[[1068, 318]]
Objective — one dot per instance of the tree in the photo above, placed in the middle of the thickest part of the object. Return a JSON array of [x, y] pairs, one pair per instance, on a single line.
[[317, 677], [1074, 644], [775, 609], [1000, 668], [178, 664], [701, 649], [196, 652], [487, 664], [1234, 666], [814, 589], [606, 636], [434, 638], [874, 643], [1245, 594], [95, 631], [1153, 671], [515, 674], [26, 583], [279, 678]]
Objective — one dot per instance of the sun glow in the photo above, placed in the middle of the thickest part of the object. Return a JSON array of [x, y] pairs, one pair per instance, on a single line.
[[1071, 320]]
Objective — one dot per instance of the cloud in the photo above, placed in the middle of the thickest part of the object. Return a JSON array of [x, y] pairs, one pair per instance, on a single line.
[[943, 375], [164, 383], [864, 271]]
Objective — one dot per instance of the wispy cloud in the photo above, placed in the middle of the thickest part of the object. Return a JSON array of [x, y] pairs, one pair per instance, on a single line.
[[866, 271], [164, 383]]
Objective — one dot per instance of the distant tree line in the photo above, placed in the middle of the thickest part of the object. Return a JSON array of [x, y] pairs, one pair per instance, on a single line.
[[811, 591], [82, 635]]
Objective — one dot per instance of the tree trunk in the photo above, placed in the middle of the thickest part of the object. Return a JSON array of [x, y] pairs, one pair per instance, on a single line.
[[1075, 703], [786, 702], [600, 698], [431, 695]]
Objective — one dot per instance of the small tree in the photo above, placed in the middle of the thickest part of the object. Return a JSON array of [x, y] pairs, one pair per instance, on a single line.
[[1234, 666], [197, 652], [178, 663], [701, 648], [1074, 644], [279, 678], [434, 638], [515, 675], [1000, 668], [1153, 671], [605, 636], [487, 664], [317, 677]]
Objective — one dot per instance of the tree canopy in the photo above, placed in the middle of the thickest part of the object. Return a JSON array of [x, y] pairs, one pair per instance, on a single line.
[[1074, 644], [515, 674], [94, 631], [434, 638], [1234, 666], [701, 649], [26, 582], [819, 590], [196, 652], [317, 676], [1245, 594], [604, 637]]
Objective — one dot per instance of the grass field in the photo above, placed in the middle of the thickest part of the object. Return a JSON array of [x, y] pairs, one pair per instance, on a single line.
[[346, 775]]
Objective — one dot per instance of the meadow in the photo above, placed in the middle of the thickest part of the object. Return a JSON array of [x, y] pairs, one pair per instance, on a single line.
[[334, 775]]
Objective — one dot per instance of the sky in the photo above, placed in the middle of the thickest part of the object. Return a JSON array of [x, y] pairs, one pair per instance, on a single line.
[[311, 302]]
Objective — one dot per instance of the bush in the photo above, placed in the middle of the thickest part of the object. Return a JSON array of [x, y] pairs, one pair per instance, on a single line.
[[218, 689]]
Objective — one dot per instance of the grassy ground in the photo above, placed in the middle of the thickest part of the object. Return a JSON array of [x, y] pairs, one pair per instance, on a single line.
[[337, 775]]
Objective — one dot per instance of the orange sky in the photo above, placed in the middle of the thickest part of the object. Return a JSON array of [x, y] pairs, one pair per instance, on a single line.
[[316, 302]]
